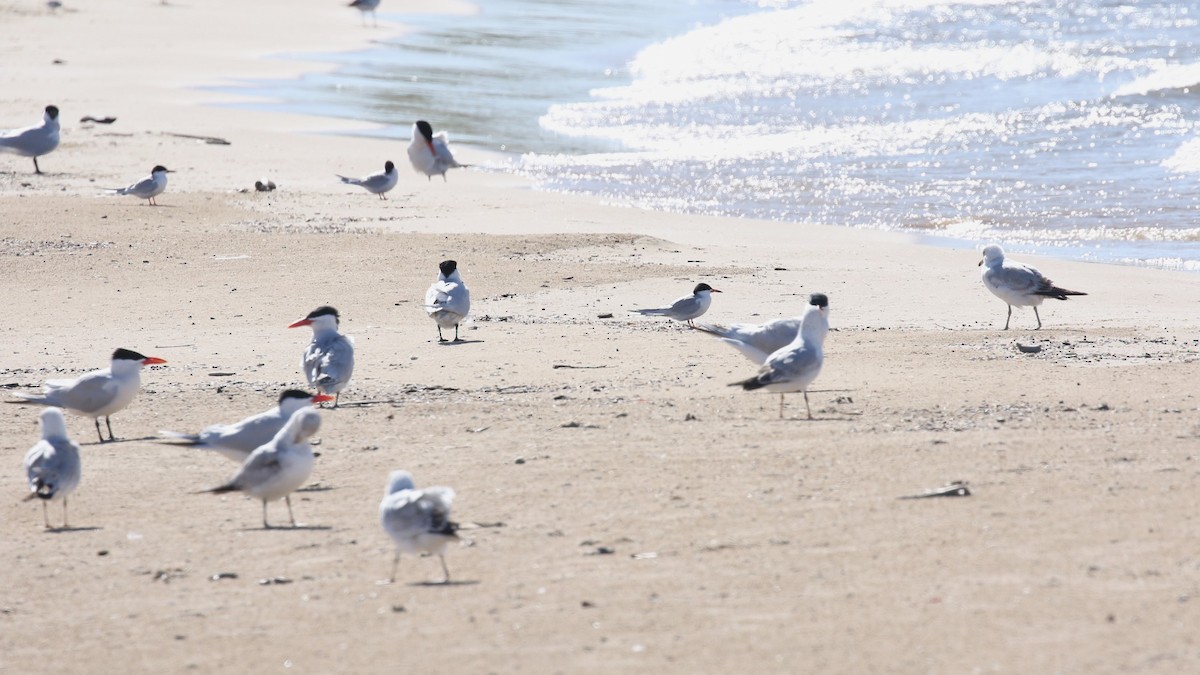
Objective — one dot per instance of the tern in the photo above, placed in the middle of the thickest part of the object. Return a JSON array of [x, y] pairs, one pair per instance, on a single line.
[[328, 361], [418, 521], [1018, 284], [755, 341], [430, 152], [686, 308], [149, 187], [278, 467], [99, 393], [794, 367], [35, 141], [365, 6], [236, 441], [448, 299], [376, 183], [52, 464]]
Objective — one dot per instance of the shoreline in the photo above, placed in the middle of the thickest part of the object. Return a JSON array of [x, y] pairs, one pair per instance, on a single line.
[[624, 508]]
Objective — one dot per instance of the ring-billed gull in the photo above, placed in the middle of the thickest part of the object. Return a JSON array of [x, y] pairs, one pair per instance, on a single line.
[[418, 521], [794, 367], [52, 464], [328, 361], [99, 393], [280, 466], [1018, 284]]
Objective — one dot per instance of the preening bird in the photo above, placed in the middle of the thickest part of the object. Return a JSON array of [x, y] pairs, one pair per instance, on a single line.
[[430, 153], [236, 441], [418, 521]]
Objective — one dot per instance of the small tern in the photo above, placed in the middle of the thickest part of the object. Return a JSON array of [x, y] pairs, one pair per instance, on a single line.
[[99, 393], [236, 441], [430, 152], [35, 141], [328, 361], [1018, 284], [686, 308], [418, 521], [448, 299], [277, 468], [52, 464], [364, 6], [377, 183], [756, 341], [794, 367], [149, 187]]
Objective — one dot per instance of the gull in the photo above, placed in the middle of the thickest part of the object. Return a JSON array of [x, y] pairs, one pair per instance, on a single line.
[[376, 183], [236, 441], [430, 152], [794, 367], [448, 299], [35, 141], [418, 521], [99, 393], [278, 467], [686, 308], [52, 464], [756, 341], [328, 361], [149, 187], [1018, 284], [365, 6]]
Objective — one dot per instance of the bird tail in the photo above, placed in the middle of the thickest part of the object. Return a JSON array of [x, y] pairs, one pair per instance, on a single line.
[[650, 312], [28, 397], [348, 181], [228, 487], [177, 438], [749, 384], [1059, 293], [711, 329]]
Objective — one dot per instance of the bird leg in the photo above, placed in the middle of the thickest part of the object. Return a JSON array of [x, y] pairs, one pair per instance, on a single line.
[[36, 168], [440, 338], [1039, 317], [395, 564], [64, 513], [781, 406], [1009, 317], [288, 500], [46, 515], [98, 433], [266, 525], [336, 398], [456, 338], [109, 425], [445, 570], [806, 404]]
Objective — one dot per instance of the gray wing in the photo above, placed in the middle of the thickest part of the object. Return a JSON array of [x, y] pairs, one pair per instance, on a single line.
[[87, 394], [449, 296], [52, 466], [336, 363], [791, 366], [142, 187], [1018, 278], [441, 147], [260, 467], [412, 512]]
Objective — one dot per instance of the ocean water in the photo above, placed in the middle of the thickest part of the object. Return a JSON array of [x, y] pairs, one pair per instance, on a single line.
[[1068, 129]]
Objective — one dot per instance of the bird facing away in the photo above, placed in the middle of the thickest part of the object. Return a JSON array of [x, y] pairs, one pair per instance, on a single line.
[[328, 361], [52, 464], [430, 152], [448, 299], [364, 6], [35, 141], [149, 187], [377, 183], [418, 521], [99, 393], [686, 308], [278, 467], [756, 341], [236, 441], [1017, 284], [794, 367]]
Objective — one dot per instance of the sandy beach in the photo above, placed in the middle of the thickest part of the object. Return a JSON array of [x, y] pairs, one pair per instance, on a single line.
[[625, 509]]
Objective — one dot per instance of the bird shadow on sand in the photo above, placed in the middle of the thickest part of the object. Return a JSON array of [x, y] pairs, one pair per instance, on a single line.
[[440, 584], [289, 528], [68, 530], [315, 488], [458, 343], [122, 440]]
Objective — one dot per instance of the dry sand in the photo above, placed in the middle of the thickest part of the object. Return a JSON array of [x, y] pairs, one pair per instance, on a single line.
[[639, 514]]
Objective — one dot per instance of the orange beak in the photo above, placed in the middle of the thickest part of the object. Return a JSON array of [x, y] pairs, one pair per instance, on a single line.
[[301, 322], [153, 361], [321, 398]]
